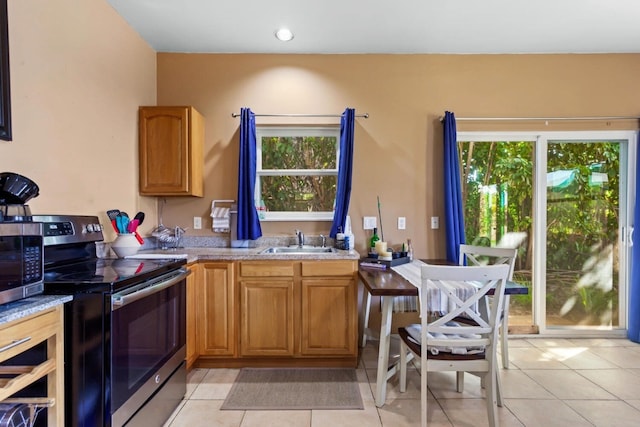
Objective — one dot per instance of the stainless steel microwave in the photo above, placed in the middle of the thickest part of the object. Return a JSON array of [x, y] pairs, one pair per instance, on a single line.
[[21, 260]]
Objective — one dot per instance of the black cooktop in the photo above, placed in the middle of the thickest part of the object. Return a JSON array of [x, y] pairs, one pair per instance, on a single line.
[[104, 275]]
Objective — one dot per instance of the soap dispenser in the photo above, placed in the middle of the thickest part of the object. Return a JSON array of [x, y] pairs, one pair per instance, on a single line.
[[348, 233]]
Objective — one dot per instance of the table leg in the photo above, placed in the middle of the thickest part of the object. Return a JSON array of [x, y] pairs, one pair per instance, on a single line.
[[383, 350]]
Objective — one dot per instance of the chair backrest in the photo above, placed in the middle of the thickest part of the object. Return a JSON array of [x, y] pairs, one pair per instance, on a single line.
[[455, 282], [484, 255]]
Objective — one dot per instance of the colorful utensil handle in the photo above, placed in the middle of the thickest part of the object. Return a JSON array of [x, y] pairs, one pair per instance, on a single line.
[[138, 237]]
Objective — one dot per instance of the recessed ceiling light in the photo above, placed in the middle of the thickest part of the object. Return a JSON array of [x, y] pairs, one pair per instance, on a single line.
[[284, 34]]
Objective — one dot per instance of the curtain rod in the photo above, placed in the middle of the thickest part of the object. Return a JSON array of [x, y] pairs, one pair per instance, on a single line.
[[365, 115], [543, 118]]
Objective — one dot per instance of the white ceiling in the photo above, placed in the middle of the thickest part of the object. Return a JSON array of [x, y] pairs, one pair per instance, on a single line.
[[387, 26]]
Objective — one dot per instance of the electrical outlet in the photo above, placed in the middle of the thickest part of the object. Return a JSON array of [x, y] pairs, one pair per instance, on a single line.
[[402, 223], [197, 223], [369, 223], [435, 222]]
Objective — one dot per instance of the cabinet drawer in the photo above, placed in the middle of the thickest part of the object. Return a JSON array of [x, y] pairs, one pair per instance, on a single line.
[[20, 335], [328, 268], [266, 269]]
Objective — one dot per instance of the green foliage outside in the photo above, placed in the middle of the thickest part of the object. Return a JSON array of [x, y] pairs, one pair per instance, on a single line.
[[582, 220], [300, 184]]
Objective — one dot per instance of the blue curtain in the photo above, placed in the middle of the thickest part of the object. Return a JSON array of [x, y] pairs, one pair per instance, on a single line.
[[633, 331], [248, 222], [453, 210], [345, 170]]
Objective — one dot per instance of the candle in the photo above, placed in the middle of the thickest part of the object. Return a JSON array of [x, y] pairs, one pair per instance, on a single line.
[[381, 248]]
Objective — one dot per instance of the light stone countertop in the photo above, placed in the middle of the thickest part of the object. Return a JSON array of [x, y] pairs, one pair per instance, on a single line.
[[25, 307], [195, 254]]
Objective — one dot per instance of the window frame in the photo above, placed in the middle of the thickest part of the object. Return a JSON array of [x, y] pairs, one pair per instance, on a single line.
[[291, 131]]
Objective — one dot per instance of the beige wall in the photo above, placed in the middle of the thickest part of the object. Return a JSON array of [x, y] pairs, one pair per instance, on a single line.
[[398, 153], [78, 75]]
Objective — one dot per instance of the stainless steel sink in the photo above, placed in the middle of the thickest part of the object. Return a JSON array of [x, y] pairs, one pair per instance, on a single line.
[[296, 250]]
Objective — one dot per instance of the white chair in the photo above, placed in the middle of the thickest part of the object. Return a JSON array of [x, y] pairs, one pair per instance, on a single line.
[[445, 345], [483, 255]]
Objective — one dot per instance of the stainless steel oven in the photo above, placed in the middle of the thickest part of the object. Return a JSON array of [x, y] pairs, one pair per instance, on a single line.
[[147, 347], [21, 260], [124, 329]]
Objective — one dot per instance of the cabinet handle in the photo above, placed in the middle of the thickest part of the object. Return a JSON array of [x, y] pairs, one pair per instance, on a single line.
[[14, 344]]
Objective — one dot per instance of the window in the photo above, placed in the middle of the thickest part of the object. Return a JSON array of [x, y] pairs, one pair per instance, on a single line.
[[297, 172]]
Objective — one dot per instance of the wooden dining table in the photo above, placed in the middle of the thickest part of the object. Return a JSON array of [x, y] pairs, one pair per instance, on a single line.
[[388, 284]]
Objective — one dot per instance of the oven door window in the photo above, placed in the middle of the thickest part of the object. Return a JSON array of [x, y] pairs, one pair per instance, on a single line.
[[145, 334]]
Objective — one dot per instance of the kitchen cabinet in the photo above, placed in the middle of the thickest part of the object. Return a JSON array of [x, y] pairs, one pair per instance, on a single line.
[[267, 308], [192, 298], [277, 313], [216, 310], [171, 141], [299, 309], [329, 320], [18, 337]]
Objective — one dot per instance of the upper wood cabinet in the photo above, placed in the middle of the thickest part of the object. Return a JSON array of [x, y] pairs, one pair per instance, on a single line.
[[171, 144]]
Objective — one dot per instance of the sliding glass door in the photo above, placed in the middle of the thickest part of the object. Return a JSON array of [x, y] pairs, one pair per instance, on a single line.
[[563, 200], [584, 197]]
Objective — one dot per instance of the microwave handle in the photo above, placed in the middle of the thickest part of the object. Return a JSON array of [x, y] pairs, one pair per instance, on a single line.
[[121, 300]]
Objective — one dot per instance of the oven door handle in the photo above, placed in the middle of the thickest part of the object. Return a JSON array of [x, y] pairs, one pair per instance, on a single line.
[[121, 300]]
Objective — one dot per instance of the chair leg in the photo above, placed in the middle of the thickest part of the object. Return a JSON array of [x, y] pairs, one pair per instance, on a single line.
[[424, 390], [491, 380], [504, 333], [498, 388], [403, 366], [367, 310]]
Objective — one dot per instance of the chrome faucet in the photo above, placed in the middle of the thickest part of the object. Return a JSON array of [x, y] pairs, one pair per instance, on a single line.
[[324, 240], [300, 237]]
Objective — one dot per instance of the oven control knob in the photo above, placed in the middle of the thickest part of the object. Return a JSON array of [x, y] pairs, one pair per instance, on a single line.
[[97, 227], [157, 379], [89, 228]]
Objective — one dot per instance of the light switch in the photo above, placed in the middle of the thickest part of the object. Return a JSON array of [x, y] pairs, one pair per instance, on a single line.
[[435, 222], [402, 223], [369, 223]]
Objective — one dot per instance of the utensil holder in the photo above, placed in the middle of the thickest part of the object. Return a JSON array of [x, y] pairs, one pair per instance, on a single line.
[[125, 244]]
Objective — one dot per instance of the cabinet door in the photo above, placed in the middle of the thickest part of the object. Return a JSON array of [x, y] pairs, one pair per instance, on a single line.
[[267, 313], [171, 151], [216, 326], [329, 317], [192, 281]]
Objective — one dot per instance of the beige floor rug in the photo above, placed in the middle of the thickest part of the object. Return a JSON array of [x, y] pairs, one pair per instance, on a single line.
[[294, 388]]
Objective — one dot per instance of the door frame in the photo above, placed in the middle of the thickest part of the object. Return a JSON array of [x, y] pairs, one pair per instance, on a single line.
[[628, 140]]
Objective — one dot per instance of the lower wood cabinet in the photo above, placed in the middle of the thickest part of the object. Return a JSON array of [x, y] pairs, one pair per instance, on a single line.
[[267, 317], [20, 336], [192, 307], [298, 313], [329, 319], [217, 310]]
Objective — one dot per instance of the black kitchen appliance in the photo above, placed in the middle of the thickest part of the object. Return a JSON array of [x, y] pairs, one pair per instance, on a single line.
[[124, 329], [21, 243]]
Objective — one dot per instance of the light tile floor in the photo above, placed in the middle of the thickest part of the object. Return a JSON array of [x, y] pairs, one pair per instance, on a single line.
[[552, 382]]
